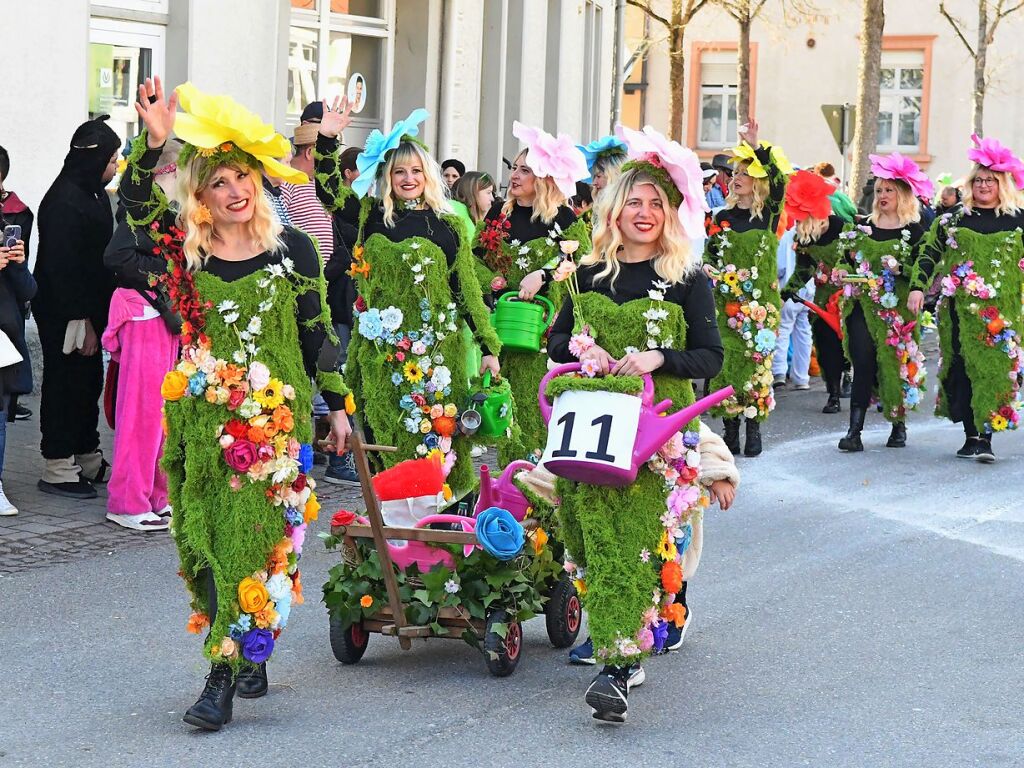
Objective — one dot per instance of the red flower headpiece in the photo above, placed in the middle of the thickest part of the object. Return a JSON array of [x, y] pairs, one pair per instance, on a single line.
[[807, 194]]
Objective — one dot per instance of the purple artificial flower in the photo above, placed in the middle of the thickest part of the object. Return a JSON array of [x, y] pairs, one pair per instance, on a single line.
[[257, 645], [660, 630]]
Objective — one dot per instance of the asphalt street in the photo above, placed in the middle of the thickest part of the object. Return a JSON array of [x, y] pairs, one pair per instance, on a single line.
[[851, 610]]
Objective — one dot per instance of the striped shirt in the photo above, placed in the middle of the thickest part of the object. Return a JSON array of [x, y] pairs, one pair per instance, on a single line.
[[308, 214]]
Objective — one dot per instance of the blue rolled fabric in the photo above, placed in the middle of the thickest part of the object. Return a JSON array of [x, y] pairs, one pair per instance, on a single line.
[[499, 533], [606, 145], [378, 145], [305, 457]]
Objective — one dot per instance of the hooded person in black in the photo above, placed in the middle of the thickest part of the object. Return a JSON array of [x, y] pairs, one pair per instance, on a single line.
[[75, 225]]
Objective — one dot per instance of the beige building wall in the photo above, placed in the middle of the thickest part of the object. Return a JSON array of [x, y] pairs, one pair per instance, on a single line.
[[792, 79]]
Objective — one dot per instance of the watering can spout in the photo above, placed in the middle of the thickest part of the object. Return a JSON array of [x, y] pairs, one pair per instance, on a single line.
[[485, 488], [655, 430]]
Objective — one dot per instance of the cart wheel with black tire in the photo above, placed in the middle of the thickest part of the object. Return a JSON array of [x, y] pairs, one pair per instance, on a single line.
[[348, 644], [563, 613], [503, 652]]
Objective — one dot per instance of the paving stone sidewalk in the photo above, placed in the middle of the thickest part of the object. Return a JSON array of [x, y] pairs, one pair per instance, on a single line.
[[50, 529]]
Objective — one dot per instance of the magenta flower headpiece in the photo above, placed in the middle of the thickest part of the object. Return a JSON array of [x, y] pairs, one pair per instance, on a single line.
[[897, 166], [558, 159], [991, 154], [682, 166]]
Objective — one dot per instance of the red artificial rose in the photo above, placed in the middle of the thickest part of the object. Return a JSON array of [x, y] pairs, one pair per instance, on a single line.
[[300, 483], [236, 429], [235, 399], [688, 474], [343, 517], [360, 304], [240, 455], [1007, 412]]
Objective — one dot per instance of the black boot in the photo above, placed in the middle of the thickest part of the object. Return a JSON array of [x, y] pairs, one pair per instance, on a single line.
[[732, 435], [984, 452], [846, 387], [832, 406], [898, 435], [251, 683], [752, 446], [214, 706], [851, 443]]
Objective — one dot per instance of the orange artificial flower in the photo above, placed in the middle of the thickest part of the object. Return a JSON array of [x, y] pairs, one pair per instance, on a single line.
[[445, 426], [671, 576], [366, 601], [197, 622], [350, 404], [232, 375], [283, 418], [174, 385], [278, 561], [297, 598], [676, 613], [256, 435], [539, 538], [312, 510], [252, 595], [265, 618]]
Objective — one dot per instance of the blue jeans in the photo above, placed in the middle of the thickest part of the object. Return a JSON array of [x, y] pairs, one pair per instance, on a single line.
[[344, 333]]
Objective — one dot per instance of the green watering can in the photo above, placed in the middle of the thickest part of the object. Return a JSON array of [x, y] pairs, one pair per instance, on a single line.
[[521, 324], [494, 406]]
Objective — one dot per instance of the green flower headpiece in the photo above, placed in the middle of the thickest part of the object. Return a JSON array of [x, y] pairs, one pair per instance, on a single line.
[[675, 197]]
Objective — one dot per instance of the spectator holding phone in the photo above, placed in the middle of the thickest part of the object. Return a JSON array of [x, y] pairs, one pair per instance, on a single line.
[[75, 225], [16, 289]]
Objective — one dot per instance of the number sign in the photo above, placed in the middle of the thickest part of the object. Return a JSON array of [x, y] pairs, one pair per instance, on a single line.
[[593, 428]]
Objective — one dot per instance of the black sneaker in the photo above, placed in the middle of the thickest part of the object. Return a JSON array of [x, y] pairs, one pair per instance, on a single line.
[[969, 449], [984, 452], [21, 413], [81, 490], [607, 694], [636, 677]]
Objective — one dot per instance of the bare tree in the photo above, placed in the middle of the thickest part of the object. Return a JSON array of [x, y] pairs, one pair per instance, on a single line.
[[681, 13], [989, 16], [865, 133]]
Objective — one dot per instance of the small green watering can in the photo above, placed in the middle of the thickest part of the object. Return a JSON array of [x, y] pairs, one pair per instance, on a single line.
[[521, 324], [494, 405]]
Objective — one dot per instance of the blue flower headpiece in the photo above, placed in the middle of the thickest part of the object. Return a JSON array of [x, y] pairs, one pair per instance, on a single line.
[[606, 145], [378, 145]]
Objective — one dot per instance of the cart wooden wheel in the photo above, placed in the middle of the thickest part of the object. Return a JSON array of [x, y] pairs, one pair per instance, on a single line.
[[349, 644], [503, 652], [563, 614]]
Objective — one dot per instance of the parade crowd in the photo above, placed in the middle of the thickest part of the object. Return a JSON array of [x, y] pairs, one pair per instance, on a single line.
[[259, 297]]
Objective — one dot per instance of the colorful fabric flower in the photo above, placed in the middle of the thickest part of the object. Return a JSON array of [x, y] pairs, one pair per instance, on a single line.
[[897, 166], [499, 533], [808, 195], [992, 154], [605, 146], [745, 152], [257, 645], [379, 145], [555, 158]]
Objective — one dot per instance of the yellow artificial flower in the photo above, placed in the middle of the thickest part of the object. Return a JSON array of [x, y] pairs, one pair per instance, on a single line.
[[731, 279], [999, 423], [271, 396], [745, 152], [312, 510], [200, 214], [581, 587], [350, 404], [209, 122], [446, 491], [666, 547], [413, 372], [539, 539], [174, 385], [252, 595]]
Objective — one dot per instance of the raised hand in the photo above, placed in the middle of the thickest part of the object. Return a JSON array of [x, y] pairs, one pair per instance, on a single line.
[[748, 133], [337, 117], [156, 113]]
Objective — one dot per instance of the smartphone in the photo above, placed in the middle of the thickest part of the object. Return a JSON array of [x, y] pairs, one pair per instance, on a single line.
[[12, 234]]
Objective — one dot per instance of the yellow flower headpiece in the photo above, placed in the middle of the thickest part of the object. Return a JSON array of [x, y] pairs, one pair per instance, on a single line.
[[745, 152], [209, 122]]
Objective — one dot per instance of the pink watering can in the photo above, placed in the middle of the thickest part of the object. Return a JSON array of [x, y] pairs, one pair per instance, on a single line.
[[626, 433], [425, 555], [503, 492]]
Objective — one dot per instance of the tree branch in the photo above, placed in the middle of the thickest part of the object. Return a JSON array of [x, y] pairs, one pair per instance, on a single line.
[[956, 28], [1008, 11], [692, 11], [646, 8]]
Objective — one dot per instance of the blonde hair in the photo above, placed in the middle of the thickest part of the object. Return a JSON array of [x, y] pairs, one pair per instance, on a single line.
[[675, 257], [548, 198], [908, 209], [810, 230], [435, 193], [1009, 196], [263, 227], [611, 167], [760, 192]]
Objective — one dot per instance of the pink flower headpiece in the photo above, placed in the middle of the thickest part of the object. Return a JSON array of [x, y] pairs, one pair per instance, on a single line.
[[991, 154], [558, 159], [682, 166], [896, 166]]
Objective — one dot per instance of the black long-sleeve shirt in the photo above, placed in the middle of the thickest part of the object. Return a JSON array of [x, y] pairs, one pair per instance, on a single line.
[[984, 221], [881, 235], [703, 356], [740, 220], [807, 265]]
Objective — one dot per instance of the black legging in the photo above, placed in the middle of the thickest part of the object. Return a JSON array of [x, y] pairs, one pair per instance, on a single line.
[[863, 355], [955, 383], [830, 354]]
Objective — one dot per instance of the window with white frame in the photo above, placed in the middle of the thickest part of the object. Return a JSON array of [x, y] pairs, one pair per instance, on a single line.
[[901, 91], [330, 43], [592, 124], [718, 96]]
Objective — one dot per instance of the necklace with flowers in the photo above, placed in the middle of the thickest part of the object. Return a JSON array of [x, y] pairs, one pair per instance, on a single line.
[[754, 322], [998, 331], [877, 281], [422, 381]]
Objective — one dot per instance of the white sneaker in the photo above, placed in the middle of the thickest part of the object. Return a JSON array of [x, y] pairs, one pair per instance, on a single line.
[[477, 451], [147, 521], [6, 508], [165, 512], [802, 387]]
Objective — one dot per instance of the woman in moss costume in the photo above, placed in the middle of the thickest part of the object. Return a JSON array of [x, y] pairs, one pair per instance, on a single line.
[[519, 246], [639, 290], [881, 336], [741, 260], [979, 254], [252, 298], [415, 278], [809, 208]]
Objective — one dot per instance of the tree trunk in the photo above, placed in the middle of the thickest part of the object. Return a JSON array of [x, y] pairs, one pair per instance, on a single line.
[[981, 53], [865, 134], [676, 73], [743, 72]]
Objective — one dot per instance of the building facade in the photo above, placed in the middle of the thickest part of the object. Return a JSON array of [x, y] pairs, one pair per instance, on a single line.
[[799, 64], [476, 65]]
